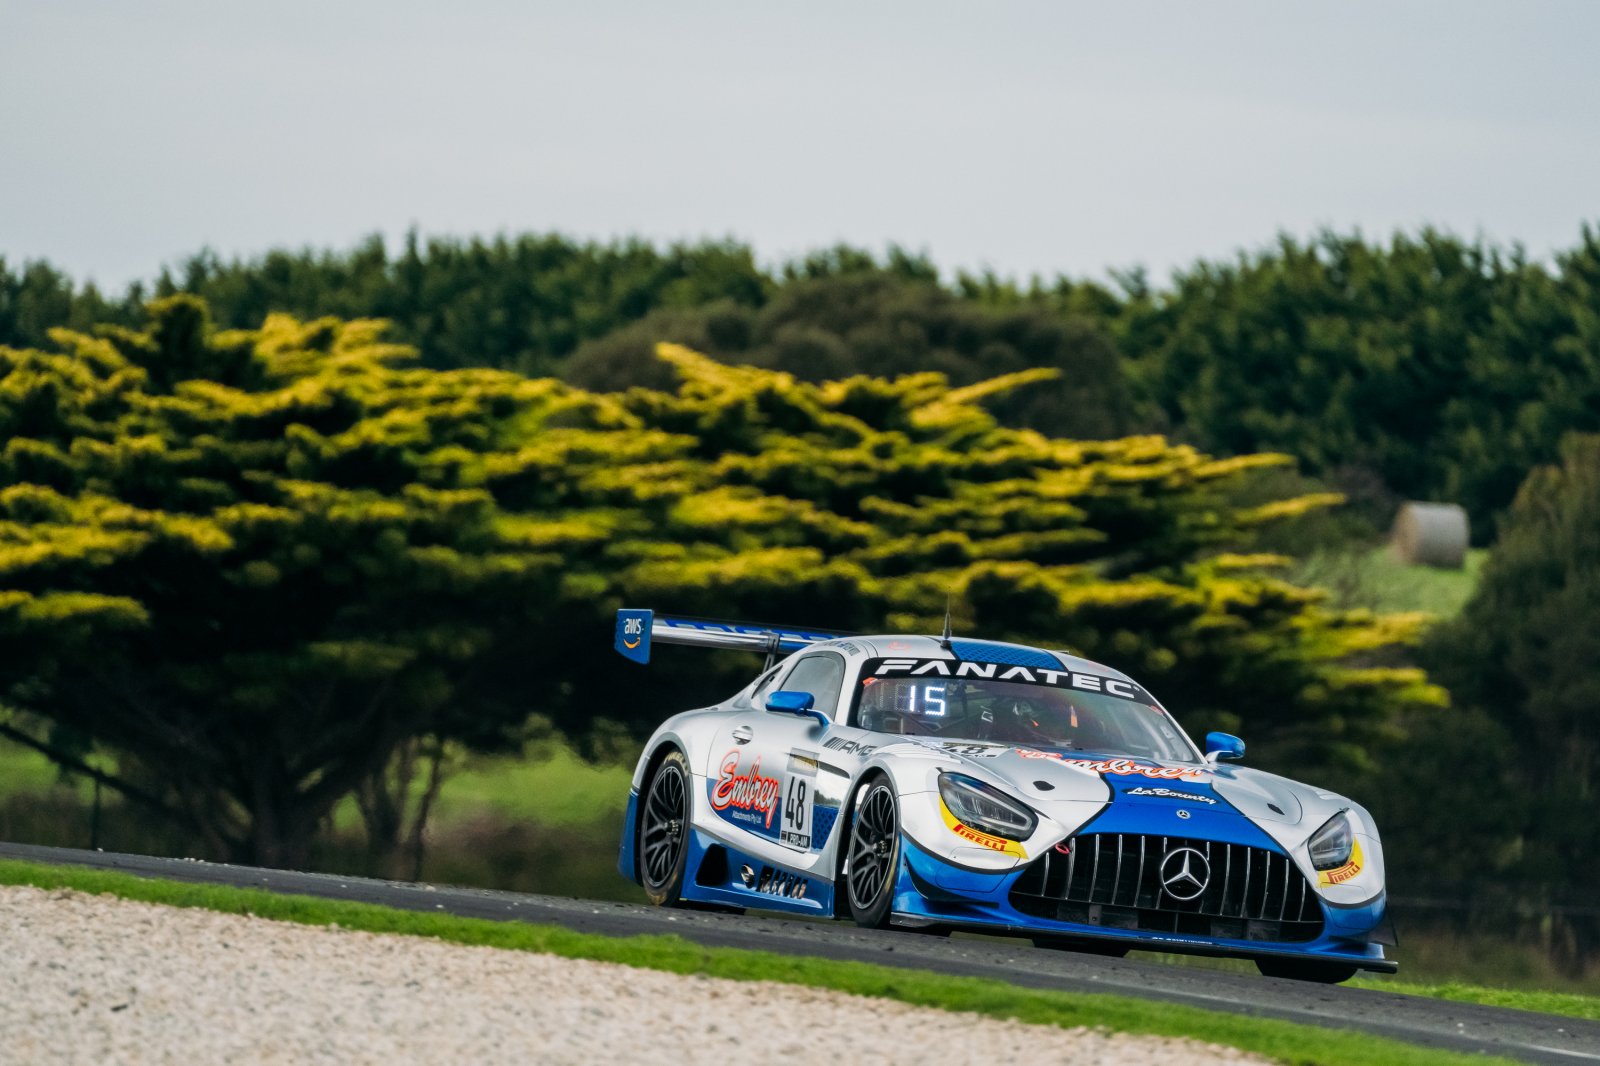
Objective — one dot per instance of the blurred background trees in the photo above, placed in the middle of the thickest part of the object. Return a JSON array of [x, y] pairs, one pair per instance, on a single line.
[[1444, 369], [1523, 663], [265, 569], [1492, 803], [249, 566], [886, 323], [1426, 367]]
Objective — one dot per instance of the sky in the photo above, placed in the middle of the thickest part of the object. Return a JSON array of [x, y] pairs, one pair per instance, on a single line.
[[1024, 138]]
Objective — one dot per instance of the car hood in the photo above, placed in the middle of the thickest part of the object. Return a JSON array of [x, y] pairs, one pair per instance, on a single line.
[[1047, 776]]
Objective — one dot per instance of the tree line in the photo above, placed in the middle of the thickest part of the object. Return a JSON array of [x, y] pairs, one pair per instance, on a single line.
[[1427, 367]]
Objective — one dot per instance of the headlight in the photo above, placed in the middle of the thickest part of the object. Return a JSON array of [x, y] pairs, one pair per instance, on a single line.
[[1330, 845], [977, 805]]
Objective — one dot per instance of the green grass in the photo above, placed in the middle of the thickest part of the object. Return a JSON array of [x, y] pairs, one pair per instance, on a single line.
[[1570, 1004], [1375, 578], [1283, 1041], [561, 789], [542, 822], [1536, 996], [24, 771], [550, 786], [1402, 587]]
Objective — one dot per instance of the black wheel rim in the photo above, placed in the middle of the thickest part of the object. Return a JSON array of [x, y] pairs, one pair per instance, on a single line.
[[872, 847], [662, 834]]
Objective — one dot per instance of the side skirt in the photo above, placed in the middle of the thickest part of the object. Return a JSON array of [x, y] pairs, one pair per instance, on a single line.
[[717, 873]]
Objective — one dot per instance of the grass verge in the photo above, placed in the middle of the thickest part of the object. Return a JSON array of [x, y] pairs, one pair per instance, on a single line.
[[1286, 1042], [1543, 1001], [1568, 1004]]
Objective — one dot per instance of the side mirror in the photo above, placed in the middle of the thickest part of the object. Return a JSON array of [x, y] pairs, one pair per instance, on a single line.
[[797, 703], [1221, 746]]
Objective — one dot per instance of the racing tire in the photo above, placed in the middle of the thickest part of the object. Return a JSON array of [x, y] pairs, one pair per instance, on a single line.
[[663, 844], [1322, 973], [872, 853], [1104, 948]]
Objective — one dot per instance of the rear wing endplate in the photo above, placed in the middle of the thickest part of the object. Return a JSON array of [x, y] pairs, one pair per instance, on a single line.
[[638, 629]]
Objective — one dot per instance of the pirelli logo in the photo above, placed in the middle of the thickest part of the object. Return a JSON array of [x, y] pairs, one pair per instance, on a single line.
[[967, 833], [1027, 675]]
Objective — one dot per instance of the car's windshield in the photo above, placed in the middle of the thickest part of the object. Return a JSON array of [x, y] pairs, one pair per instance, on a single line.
[[1016, 705]]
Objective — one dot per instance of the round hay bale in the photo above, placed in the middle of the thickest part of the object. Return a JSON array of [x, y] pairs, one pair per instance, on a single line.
[[1431, 534]]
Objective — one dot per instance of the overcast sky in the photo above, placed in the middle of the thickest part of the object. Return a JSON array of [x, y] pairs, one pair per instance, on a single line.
[[1024, 137]]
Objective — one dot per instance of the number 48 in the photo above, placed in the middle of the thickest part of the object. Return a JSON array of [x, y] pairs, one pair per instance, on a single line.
[[794, 805]]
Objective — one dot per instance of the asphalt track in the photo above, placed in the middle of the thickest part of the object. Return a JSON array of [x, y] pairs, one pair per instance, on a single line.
[[1522, 1035]]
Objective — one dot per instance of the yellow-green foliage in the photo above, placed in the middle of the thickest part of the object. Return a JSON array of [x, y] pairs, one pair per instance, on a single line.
[[257, 560]]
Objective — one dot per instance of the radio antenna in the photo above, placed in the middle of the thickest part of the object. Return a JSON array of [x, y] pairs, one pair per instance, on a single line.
[[944, 641]]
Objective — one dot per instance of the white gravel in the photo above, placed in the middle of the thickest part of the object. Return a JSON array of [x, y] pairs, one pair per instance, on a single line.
[[95, 979]]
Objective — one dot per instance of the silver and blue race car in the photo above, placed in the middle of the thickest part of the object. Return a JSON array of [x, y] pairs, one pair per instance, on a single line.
[[947, 783]]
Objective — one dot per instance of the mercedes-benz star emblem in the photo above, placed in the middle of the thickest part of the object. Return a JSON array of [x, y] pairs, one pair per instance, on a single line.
[[1185, 873], [1183, 814]]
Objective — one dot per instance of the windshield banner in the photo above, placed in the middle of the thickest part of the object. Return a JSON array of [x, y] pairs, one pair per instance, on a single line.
[[1026, 675]]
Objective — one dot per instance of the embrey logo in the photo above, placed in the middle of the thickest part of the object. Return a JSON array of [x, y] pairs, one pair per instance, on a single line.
[[1185, 873], [746, 792]]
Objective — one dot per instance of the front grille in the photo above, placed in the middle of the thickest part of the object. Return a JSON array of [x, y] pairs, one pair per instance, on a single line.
[[1115, 880]]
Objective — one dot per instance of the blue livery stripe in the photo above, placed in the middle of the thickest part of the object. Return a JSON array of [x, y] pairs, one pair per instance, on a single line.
[[989, 651]]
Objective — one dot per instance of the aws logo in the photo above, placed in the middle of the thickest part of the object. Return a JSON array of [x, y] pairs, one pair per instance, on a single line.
[[632, 632]]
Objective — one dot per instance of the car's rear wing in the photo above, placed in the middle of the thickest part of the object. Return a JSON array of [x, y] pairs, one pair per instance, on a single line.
[[638, 629]]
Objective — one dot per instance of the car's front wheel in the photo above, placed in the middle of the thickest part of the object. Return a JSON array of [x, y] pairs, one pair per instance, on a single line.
[[1325, 973], [664, 830], [872, 853]]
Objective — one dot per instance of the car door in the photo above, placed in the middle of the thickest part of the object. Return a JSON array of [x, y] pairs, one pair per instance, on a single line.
[[763, 774]]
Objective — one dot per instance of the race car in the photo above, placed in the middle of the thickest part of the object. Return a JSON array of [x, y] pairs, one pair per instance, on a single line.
[[945, 783]]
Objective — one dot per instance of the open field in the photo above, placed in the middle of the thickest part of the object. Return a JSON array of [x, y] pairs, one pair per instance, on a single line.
[[549, 825], [556, 788], [1374, 578]]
